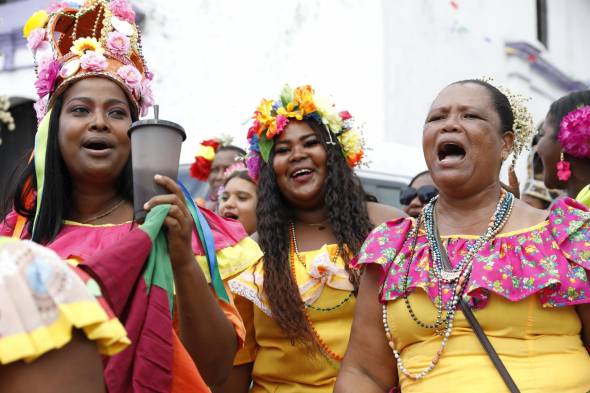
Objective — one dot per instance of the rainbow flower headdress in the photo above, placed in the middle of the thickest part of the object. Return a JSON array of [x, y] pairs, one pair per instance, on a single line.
[[301, 103], [76, 39], [201, 168]]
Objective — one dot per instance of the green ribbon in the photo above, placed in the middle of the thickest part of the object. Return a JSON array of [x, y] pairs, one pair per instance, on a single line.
[[158, 269], [40, 153]]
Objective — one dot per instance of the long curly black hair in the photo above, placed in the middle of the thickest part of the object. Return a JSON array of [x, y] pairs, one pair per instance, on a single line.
[[348, 217]]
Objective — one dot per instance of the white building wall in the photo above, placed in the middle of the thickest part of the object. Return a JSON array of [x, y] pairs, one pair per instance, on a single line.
[[384, 60]]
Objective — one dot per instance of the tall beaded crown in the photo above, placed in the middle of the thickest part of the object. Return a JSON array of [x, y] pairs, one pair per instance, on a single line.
[[79, 39]]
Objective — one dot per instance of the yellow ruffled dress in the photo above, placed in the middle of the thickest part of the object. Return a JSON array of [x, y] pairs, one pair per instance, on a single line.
[[523, 288], [280, 366]]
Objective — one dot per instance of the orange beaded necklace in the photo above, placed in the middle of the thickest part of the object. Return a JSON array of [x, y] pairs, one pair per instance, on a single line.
[[326, 351]]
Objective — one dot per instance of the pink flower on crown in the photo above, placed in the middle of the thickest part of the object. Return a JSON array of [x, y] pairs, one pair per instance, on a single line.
[[282, 122], [574, 133], [147, 97], [47, 74], [56, 6], [118, 44], [35, 38], [122, 10], [93, 61], [131, 76], [40, 108]]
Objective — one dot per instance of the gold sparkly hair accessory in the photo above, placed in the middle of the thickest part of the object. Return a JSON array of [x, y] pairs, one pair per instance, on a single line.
[[523, 126]]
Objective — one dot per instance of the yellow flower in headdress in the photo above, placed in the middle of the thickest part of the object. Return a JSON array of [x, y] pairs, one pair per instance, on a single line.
[[303, 98], [290, 111], [262, 114], [207, 152], [81, 45], [37, 20], [352, 146]]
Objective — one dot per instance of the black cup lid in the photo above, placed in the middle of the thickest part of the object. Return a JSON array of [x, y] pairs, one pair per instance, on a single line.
[[157, 122]]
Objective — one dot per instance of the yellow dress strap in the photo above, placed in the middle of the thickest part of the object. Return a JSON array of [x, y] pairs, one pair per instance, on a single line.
[[584, 196], [234, 259]]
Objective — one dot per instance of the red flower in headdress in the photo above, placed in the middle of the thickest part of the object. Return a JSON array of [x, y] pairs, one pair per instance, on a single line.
[[214, 143], [201, 168]]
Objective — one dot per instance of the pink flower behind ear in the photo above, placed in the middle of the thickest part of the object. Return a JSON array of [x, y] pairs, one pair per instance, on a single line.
[[93, 61], [574, 132], [118, 44], [48, 71]]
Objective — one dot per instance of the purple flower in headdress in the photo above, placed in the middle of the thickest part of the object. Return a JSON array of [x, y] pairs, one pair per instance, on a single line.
[[48, 71], [35, 38], [254, 163], [122, 10], [147, 96]]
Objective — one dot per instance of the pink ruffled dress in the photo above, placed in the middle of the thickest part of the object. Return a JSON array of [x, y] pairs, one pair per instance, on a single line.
[[522, 287]]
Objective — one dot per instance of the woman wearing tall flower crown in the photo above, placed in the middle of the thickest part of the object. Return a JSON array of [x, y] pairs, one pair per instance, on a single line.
[[75, 197], [565, 145], [475, 250], [312, 218]]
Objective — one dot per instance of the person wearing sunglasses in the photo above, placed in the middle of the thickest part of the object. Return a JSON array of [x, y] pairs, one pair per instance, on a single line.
[[418, 193]]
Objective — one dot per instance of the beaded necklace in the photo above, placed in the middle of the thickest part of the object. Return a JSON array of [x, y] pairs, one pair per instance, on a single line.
[[326, 351], [295, 248], [444, 326]]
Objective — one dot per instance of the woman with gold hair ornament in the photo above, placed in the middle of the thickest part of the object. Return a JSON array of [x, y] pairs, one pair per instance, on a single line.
[[75, 197], [474, 251], [312, 218], [565, 146]]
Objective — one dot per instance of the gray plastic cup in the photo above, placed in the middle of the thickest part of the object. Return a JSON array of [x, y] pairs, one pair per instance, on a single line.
[[155, 149]]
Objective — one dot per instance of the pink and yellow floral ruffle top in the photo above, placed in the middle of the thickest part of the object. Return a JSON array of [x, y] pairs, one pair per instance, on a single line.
[[551, 259]]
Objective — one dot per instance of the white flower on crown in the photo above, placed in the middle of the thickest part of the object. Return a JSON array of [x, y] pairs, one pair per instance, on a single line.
[[327, 111]]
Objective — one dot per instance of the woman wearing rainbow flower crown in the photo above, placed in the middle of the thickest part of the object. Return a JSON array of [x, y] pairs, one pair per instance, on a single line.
[[313, 215], [565, 146], [165, 280]]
